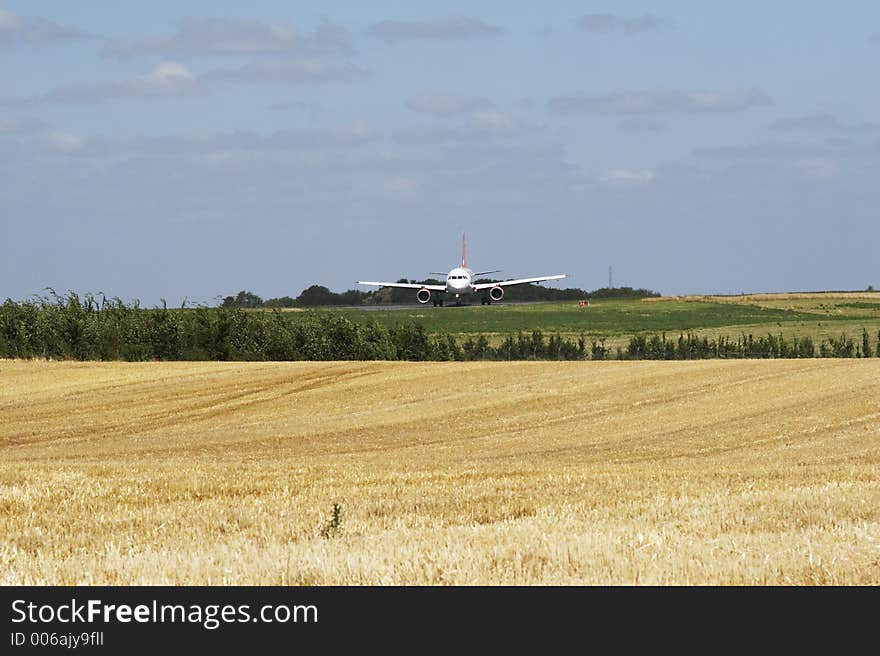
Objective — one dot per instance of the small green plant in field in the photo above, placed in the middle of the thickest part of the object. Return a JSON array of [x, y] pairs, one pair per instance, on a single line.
[[333, 527]]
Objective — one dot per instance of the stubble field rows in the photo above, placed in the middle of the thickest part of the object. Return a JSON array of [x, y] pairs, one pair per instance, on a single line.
[[463, 473]]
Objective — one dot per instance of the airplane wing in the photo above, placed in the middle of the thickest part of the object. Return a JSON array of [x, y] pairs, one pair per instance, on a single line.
[[404, 285], [520, 281], [483, 273]]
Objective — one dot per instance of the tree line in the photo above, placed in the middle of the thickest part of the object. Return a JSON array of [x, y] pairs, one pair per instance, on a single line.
[[71, 327], [320, 296]]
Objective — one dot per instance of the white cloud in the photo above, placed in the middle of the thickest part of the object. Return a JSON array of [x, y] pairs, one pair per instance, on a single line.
[[811, 123], [19, 30], [819, 123], [294, 71], [660, 101], [18, 126], [443, 29], [483, 126], [36, 137], [770, 150], [311, 109], [608, 23], [218, 147], [817, 168], [849, 148], [358, 132], [446, 103], [624, 176], [165, 79], [171, 79], [640, 125], [168, 74], [212, 36], [401, 185], [65, 142], [494, 122]]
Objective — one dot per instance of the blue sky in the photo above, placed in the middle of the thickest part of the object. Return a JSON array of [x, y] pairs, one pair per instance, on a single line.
[[171, 150]]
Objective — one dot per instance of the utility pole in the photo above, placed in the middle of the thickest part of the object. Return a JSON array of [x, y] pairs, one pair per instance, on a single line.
[[610, 286]]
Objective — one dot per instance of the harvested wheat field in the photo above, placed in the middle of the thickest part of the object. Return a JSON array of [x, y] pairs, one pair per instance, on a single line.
[[445, 473]]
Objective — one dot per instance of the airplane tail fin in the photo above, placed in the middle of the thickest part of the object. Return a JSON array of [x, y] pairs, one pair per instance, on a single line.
[[463, 252]]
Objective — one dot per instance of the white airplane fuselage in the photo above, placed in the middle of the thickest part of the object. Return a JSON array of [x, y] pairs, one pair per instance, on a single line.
[[459, 282]]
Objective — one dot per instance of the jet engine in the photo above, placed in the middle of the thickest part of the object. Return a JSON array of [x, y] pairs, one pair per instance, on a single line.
[[496, 293], [423, 295]]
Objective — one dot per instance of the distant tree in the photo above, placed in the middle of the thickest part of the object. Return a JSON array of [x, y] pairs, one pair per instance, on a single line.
[[282, 302], [381, 297], [401, 296], [316, 295], [352, 297], [622, 292], [537, 292], [243, 300]]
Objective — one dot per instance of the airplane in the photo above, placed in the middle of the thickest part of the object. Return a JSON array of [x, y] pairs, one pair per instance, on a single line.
[[460, 282]]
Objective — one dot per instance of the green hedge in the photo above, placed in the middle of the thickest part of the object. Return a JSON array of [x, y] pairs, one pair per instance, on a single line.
[[75, 328]]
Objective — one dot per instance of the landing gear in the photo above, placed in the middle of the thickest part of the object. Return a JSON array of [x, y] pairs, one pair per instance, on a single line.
[[485, 300], [438, 301]]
